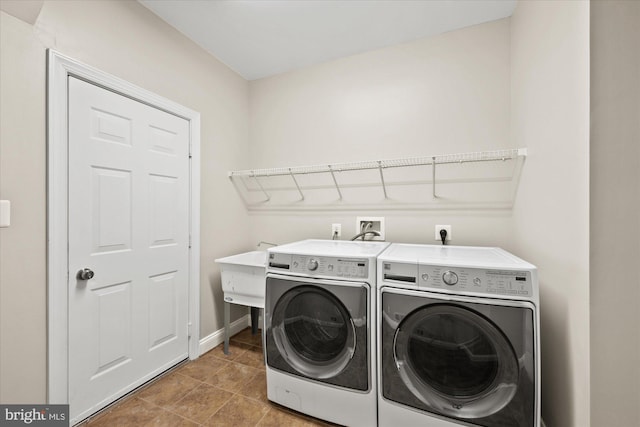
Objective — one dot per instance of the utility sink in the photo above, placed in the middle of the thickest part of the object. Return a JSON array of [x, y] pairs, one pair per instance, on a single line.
[[244, 278]]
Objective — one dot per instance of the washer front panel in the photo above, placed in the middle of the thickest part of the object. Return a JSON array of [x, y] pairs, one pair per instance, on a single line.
[[319, 329], [327, 259], [459, 280], [459, 358], [320, 266], [492, 282]]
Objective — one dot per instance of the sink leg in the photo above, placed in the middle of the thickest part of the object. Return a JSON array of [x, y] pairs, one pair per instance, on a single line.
[[255, 312], [226, 327]]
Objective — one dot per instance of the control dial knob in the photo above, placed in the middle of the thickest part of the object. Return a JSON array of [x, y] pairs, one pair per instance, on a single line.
[[312, 265], [450, 278]]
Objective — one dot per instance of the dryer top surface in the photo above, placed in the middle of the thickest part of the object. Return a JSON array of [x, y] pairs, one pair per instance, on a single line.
[[334, 248], [464, 256]]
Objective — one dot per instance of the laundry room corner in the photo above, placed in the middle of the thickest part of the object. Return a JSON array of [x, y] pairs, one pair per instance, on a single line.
[[550, 116]]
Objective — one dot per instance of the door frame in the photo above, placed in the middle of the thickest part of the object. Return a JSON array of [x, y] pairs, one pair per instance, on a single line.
[[59, 69]]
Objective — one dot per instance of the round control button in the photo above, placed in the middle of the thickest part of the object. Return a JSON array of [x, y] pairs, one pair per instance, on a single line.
[[477, 281], [312, 264], [425, 277], [450, 278]]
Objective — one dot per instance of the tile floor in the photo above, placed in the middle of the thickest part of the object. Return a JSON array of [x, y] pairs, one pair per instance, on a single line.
[[215, 390]]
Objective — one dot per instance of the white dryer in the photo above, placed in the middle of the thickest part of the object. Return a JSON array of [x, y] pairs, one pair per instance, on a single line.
[[319, 329], [458, 338]]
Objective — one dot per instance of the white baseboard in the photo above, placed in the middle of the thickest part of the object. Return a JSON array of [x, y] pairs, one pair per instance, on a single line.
[[216, 338]]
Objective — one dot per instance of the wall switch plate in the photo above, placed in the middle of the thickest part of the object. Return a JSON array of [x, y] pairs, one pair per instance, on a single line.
[[5, 213], [377, 224], [437, 232], [336, 231]]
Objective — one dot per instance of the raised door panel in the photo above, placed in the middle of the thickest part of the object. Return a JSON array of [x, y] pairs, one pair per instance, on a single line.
[[163, 212], [112, 317], [111, 197], [163, 310]]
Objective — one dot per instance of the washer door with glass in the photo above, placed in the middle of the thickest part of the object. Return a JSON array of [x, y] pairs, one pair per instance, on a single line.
[[318, 329], [459, 359]]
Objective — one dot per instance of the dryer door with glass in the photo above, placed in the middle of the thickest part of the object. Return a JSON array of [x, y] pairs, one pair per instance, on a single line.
[[318, 329], [456, 358]]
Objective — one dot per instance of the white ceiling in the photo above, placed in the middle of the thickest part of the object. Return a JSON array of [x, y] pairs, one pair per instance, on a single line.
[[261, 38]]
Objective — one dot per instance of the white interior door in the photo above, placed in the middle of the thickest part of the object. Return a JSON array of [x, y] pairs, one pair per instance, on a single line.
[[129, 224]]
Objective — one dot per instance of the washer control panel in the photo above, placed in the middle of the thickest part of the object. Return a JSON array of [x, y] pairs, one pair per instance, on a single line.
[[309, 265], [458, 279]]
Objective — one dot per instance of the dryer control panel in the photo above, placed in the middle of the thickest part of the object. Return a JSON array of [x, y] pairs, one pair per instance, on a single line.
[[459, 279], [324, 266]]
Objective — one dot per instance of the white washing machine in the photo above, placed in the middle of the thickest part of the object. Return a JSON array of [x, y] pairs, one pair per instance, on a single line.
[[458, 338], [319, 329]]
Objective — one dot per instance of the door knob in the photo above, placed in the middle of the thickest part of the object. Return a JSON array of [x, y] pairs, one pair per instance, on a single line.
[[84, 274]]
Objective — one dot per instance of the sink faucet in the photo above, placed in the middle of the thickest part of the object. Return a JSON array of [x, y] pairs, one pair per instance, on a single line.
[[265, 243]]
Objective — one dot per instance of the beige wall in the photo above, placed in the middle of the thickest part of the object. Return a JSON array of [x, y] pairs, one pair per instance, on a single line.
[[23, 284], [615, 213], [550, 116], [440, 95], [124, 39]]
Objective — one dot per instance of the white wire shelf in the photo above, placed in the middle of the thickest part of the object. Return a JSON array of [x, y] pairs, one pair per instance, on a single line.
[[478, 156], [258, 175]]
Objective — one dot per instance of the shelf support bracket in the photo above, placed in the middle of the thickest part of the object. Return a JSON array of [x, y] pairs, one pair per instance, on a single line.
[[297, 186], [262, 188], [335, 181], [433, 177], [384, 187]]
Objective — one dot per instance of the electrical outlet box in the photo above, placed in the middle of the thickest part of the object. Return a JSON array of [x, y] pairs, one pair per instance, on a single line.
[[336, 231], [370, 223], [437, 232]]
